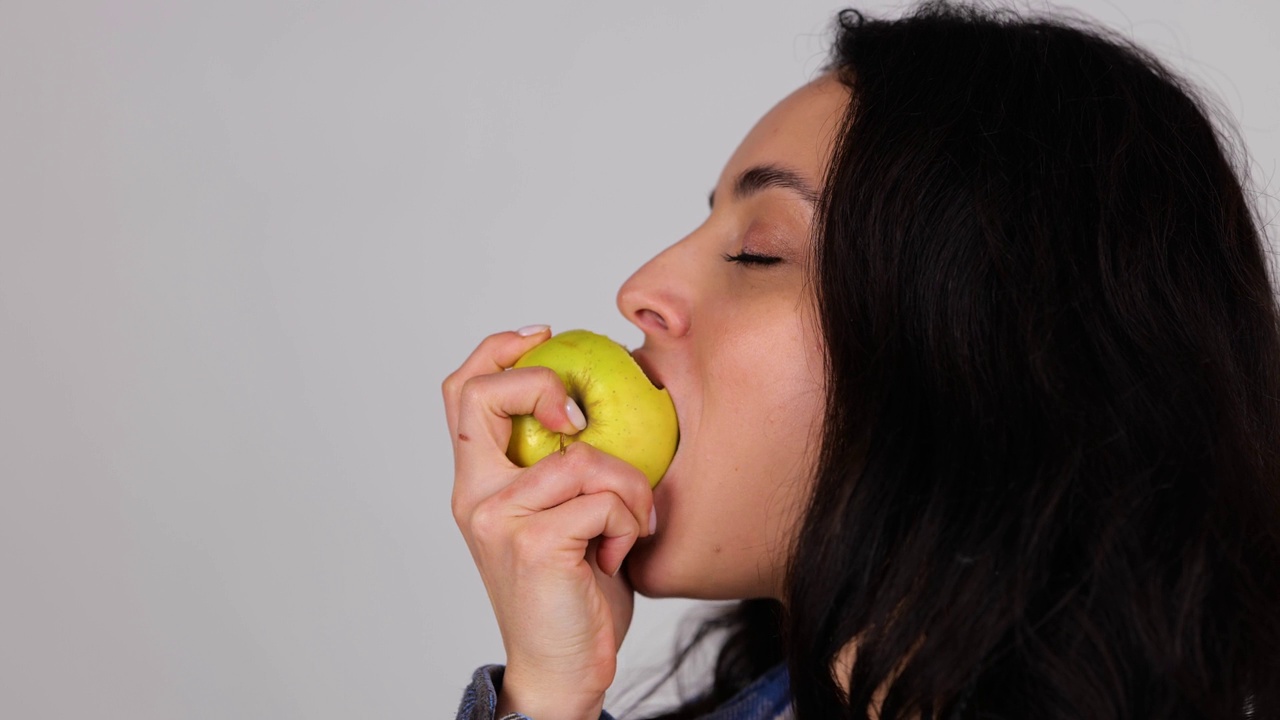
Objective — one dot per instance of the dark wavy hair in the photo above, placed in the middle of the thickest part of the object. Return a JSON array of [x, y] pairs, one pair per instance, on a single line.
[[1049, 484]]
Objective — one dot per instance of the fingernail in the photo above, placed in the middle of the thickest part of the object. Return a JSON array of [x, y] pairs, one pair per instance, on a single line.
[[528, 330], [653, 520], [575, 414]]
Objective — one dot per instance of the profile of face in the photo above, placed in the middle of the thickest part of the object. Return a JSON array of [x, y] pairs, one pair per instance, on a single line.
[[730, 330]]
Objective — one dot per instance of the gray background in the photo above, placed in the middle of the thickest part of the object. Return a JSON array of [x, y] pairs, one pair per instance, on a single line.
[[241, 244]]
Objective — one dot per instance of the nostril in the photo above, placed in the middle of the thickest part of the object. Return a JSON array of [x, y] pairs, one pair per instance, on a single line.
[[646, 315]]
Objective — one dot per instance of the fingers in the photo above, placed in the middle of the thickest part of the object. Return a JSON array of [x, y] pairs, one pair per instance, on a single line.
[[542, 537], [485, 407], [564, 531], [493, 355], [580, 470], [483, 502]]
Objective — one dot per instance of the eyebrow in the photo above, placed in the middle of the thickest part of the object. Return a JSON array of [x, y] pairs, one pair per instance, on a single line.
[[762, 177]]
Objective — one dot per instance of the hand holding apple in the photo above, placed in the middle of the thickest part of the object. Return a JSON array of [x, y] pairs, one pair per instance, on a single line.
[[627, 416], [549, 539]]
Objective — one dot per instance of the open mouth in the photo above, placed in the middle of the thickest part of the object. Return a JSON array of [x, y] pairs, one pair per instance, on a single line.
[[642, 361], [646, 369]]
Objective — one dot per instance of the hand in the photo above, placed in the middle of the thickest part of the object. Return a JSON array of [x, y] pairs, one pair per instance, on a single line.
[[548, 540]]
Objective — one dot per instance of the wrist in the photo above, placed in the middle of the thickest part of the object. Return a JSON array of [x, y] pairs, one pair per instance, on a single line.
[[546, 701]]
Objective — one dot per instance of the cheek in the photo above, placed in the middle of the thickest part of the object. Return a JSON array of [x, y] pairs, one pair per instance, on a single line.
[[770, 379], [762, 426]]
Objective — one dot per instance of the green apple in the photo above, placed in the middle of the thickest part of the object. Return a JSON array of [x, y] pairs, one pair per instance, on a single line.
[[627, 416]]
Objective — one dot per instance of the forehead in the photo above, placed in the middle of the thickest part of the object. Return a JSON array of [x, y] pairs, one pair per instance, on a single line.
[[799, 132]]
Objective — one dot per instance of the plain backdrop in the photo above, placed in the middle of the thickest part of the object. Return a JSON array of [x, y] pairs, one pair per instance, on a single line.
[[241, 244]]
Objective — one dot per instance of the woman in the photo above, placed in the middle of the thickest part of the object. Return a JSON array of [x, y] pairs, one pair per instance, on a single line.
[[977, 368]]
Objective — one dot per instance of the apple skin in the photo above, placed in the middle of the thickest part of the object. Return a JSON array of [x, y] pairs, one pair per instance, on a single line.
[[627, 416]]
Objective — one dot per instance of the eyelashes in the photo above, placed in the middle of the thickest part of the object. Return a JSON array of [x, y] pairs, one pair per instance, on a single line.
[[746, 258]]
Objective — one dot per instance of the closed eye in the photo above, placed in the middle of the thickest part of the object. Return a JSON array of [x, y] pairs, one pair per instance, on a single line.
[[746, 258]]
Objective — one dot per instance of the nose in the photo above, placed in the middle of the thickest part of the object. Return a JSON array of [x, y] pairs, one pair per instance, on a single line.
[[657, 297]]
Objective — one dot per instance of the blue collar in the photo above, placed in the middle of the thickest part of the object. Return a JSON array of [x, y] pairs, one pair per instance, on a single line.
[[766, 698]]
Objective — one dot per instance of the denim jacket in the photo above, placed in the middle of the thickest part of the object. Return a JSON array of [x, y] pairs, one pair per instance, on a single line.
[[768, 698]]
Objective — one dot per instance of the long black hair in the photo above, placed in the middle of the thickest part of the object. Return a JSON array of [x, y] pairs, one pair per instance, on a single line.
[[1049, 483]]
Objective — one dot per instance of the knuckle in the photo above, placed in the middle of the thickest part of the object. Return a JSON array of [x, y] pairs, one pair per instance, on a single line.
[[449, 386], [545, 379], [622, 517], [485, 520], [472, 392], [618, 505], [458, 506], [528, 544], [578, 457], [551, 379]]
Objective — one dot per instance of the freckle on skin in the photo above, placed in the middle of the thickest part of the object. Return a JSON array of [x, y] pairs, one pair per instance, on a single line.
[[463, 437]]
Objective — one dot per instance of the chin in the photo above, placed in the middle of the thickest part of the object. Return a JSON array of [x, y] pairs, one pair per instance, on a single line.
[[639, 568], [653, 576]]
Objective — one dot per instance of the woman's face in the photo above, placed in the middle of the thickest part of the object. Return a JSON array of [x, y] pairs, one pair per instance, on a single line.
[[737, 345]]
